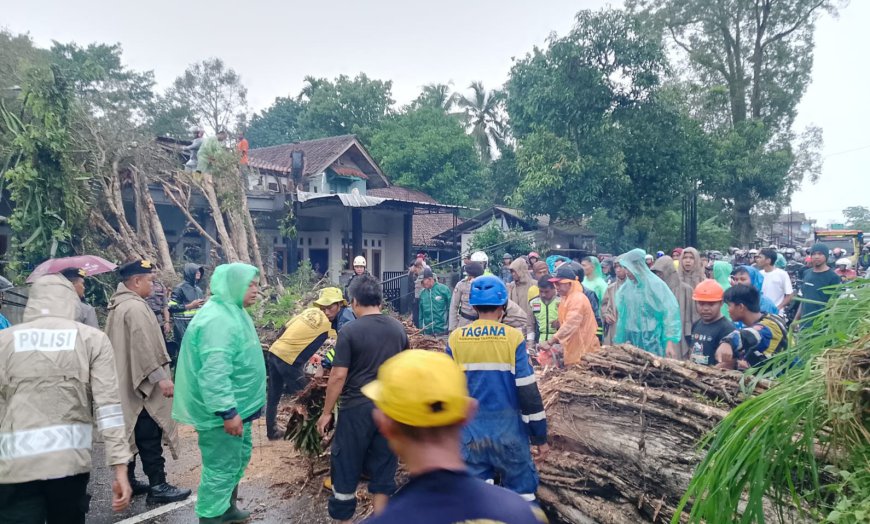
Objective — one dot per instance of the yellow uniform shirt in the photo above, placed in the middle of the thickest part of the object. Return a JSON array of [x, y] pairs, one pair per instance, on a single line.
[[300, 331]]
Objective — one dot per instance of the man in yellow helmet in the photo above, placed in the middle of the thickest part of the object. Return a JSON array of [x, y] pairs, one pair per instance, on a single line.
[[422, 403], [302, 336]]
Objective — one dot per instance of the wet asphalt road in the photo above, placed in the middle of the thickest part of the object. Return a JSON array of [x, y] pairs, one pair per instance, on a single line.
[[277, 487]]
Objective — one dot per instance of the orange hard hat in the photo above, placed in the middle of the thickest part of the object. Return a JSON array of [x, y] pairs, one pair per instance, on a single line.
[[708, 291]]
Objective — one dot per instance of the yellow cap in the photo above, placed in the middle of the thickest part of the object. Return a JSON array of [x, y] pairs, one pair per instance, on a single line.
[[420, 388], [329, 296]]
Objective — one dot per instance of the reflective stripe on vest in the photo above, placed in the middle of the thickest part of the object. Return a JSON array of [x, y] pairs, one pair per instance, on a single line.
[[545, 315], [30, 442]]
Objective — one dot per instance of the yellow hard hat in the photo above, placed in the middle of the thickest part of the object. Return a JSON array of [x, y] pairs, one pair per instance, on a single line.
[[420, 388], [329, 296]]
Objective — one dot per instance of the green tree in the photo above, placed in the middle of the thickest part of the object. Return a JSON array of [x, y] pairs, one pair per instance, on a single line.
[[857, 217], [503, 177], [277, 124], [343, 106], [17, 56], [514, 242], [484, 114], [750, 64], [46, 183], [608, 59], [597, 131], [556, 180], [427, 149], [209, 94], [437, 95], [102, 83]]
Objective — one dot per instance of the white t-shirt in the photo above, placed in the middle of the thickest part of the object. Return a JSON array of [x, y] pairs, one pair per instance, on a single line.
[[776, 285]]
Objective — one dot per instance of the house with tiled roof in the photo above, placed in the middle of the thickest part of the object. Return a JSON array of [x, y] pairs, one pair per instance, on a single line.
[[569, 238], [344, 206]]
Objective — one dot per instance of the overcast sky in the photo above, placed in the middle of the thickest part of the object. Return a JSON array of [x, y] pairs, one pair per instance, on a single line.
[[275, 44]]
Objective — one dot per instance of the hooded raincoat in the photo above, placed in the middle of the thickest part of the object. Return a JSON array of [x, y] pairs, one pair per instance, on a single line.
[[597, 282], [57, 380], [722, 275], [683, 293], [648, 313], [518, 290], [757, 278], [577, 326], [221, 370], [696, 275], [142, 362], [608, 310], [184, 294]]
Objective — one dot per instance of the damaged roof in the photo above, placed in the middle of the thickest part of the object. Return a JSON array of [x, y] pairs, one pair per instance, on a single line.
[[318, 155]]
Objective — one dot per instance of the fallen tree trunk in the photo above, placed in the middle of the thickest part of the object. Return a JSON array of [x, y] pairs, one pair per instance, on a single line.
[[624, 427]]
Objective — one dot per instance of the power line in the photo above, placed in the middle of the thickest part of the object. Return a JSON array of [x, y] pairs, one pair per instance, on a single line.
[[847, 151]]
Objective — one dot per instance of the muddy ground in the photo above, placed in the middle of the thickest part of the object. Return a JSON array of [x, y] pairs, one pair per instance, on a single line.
[[279, 485]]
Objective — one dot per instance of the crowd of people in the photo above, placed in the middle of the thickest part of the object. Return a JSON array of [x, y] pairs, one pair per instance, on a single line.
[[459, 421]]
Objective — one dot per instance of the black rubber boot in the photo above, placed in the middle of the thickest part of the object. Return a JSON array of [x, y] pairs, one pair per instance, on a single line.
[[234, 514], [165, 493], [139, 487]]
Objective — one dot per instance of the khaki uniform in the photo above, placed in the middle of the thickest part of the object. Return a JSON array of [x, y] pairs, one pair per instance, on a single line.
[[142, 361], [57, 380], [459, 306]]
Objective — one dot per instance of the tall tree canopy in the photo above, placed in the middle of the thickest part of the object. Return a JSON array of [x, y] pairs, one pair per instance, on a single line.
[[208, 94], [750, 64], [484, 116], [277, 124], [595, 128], [343, 106], [428, 150]]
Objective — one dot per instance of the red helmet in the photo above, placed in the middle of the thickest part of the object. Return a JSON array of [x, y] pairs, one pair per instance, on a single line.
[[534, 254]]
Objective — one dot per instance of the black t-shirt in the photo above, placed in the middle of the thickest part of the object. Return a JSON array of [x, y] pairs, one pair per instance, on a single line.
[[811, 289], [454, 497], [362, 346], [706, 338]]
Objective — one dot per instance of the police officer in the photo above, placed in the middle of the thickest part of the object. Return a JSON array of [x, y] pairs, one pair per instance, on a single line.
[[55, 374]]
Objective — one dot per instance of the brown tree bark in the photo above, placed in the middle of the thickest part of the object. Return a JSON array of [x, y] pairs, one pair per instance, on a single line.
[[226, 242], [624, 426]]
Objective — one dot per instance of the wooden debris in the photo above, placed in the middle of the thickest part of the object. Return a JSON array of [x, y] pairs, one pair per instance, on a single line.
[[624, 427]]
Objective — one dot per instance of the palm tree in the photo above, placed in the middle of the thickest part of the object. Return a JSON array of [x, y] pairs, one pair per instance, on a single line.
[[484, 114], [437, 96]]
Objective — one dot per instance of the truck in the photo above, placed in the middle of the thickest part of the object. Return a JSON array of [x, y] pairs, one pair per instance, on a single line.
[[849, 240]]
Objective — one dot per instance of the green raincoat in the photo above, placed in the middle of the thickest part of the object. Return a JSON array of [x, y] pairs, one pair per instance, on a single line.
[[220, 368], [434, 309], [596, 282]]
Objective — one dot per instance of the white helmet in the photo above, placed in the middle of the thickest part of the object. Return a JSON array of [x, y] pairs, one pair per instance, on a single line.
[[753, 251], [359, 261], [480, 256], [844, 262]]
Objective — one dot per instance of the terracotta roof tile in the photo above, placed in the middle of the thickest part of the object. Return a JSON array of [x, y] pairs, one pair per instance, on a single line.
[[318, 154], [401, 193], [426, 227]]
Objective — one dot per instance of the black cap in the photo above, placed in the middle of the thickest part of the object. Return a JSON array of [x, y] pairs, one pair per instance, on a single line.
[[473, 269], [564, 272], [72, 273], [427, 273], [544, 282], [136, 267]]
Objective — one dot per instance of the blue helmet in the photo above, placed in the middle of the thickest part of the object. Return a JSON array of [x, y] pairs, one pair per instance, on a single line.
[[488, 290]]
